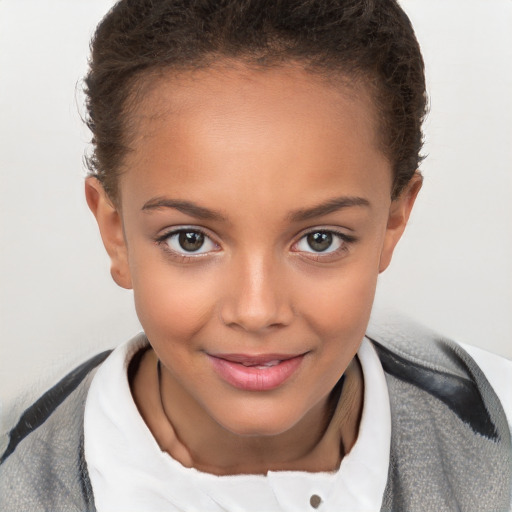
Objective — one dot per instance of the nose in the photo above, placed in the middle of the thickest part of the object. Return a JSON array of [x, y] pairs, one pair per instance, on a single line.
[[256, 297]]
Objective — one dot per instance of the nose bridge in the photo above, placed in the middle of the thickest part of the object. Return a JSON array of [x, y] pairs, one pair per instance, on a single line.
[[256, 298]]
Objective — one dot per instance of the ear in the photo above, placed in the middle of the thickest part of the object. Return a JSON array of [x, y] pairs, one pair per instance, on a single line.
[[110, 224], [399, 212]]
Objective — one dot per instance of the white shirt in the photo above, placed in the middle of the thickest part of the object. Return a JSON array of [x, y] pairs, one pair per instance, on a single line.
[[129, 471]]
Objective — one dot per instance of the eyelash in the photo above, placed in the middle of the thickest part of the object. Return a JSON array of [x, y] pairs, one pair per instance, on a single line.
[[163, 239], [345, 240]]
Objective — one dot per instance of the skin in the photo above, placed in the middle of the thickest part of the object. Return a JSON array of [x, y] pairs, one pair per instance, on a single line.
[[257, 151]]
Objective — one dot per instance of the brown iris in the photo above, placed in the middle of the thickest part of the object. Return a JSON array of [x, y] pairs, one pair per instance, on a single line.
[[191, 241], [319, 241]]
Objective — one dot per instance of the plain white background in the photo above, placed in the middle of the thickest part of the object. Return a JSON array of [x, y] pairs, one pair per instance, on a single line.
[[58, 304]]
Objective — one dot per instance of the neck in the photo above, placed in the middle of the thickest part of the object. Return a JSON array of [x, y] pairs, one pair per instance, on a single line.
[[316, 443]]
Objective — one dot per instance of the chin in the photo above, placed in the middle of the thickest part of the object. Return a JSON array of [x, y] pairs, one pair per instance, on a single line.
[[257, 430], [256, 423]]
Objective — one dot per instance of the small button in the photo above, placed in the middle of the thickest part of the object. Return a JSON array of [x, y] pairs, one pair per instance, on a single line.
[[315, 501]]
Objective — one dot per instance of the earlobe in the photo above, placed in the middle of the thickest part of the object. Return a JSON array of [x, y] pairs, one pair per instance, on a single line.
[[110, 225], [399, 213]]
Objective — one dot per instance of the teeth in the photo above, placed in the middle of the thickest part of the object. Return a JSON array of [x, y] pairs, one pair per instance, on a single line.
[[264, 365]]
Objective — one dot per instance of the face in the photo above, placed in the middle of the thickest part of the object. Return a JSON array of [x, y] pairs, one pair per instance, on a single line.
[[254, 219]]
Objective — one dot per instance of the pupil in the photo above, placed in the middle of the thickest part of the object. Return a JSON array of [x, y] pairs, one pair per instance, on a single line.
[[191, 240], [319, 241]]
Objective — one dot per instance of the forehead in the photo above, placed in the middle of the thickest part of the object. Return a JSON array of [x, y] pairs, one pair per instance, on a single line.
[[231, 88], [262, 129]]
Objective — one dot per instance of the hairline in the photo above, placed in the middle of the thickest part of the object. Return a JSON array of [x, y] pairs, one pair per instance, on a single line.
[[144, 81]]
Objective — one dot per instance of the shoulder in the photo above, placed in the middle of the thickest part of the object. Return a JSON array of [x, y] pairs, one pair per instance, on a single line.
[[443, 369], [42, 467], [447, 420], [498, 371]]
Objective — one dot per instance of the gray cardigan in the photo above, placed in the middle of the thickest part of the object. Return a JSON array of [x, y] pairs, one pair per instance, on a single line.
[[450, 441]]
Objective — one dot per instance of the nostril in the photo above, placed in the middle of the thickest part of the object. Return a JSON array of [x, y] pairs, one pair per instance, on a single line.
[[256, 298], [255, 323]]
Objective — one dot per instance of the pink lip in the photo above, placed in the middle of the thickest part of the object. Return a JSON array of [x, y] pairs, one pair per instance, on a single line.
[[256, 373]]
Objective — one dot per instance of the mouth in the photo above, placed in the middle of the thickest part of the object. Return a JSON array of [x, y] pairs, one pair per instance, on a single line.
[[256, 373]]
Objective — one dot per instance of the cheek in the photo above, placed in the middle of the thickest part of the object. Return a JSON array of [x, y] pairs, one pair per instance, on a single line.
[[172, 303], [341, 306]]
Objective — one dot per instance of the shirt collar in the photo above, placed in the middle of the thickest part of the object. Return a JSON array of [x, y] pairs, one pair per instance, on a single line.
[[128, 471]]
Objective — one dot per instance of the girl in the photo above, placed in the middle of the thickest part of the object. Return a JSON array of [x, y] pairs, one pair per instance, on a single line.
[[255, 164]]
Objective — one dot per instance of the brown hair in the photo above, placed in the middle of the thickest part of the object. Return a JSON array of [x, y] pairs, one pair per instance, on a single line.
[[371, 40]]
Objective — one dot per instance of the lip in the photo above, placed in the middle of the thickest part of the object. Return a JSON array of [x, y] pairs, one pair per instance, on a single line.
[[256, 373]]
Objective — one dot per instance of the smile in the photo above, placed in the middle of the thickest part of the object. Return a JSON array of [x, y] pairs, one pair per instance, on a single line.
[[255, 373]]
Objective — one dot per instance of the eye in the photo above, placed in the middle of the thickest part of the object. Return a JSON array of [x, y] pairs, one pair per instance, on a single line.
[[189, 242], [322, 242], [319, 241]]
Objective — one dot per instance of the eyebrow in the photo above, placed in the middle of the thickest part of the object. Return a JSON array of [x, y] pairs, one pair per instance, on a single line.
[[330, 206], [186, 207], [200, 212]]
